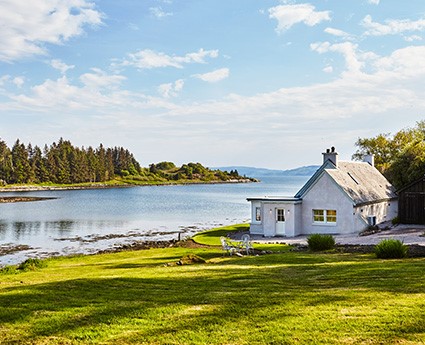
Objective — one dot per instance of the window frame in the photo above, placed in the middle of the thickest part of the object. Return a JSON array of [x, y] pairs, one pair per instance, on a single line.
[[324, 217], [257, 214]]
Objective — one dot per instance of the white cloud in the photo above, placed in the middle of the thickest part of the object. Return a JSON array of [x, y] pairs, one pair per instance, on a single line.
[[391, 27], [60, 66], [214, 76], [338, 33], [171, 89], [27, 25], [159, 13], [328, 69], [148, 59], [413, 38], [99, 79], [289, 15], [354, 59], [18, 81], [373, 2]]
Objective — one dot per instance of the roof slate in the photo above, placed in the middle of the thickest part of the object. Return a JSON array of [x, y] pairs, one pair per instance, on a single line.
[[362, 182]]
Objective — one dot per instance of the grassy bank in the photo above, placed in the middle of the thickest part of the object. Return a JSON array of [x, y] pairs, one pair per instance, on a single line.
[[144, 297]]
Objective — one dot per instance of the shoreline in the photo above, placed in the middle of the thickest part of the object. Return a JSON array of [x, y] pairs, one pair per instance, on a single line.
[[39, 188]]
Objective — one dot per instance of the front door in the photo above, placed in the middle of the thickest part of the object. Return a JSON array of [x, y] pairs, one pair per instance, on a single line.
[[280, 222]]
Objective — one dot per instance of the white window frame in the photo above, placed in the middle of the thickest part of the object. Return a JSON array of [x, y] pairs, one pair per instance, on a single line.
[[257, 214], [326, 217]]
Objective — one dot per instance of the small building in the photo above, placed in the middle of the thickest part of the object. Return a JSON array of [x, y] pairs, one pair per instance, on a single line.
[[411, 203], [340, 198]]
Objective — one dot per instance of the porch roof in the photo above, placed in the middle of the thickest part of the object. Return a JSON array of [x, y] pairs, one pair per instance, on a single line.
[[286, 199]]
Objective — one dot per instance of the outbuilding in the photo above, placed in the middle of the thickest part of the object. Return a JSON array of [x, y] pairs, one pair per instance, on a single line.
[[411, 201]]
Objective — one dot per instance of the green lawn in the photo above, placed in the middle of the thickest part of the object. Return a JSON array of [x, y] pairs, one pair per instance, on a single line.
[[289, 298]]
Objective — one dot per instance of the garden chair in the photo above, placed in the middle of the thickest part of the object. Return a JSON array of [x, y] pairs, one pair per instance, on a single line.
[[246, 243], [227, 246]]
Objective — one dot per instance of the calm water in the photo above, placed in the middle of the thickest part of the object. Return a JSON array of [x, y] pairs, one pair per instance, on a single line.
[[85, 221]]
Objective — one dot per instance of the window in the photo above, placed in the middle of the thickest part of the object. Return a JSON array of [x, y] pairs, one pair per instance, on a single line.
[[280, 215], [324, 216], [258, 214]]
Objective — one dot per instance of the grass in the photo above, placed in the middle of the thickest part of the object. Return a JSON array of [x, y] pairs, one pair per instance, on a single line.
[[289, 298], [212, 238]]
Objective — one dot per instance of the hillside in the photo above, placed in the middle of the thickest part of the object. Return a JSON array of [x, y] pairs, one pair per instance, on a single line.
[[262, 172]]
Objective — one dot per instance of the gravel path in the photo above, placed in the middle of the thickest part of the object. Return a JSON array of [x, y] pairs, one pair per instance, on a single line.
[[408, 234]]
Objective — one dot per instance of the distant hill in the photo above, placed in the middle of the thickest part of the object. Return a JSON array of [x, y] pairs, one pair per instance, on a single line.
[[261, 172]]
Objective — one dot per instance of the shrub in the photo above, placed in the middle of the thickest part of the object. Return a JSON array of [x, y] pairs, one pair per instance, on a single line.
[[317, 242], [31, 265], [8, 270], [390, 249], [395, 221]]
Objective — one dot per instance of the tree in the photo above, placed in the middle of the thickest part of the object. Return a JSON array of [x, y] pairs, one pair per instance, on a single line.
[[401, 157]]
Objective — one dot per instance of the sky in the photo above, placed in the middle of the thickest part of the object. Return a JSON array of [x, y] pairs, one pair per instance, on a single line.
[[264, 83]]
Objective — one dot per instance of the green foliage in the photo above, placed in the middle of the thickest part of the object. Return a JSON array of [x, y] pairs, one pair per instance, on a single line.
[[401, 157], [390, 249], [63, 163], [395, 221], [319, 242], [165, 166], [8, 270], [32, 265]]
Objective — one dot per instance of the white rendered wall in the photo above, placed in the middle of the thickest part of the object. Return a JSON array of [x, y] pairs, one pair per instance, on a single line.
[[256, 227], [326, 195], [384, 211]]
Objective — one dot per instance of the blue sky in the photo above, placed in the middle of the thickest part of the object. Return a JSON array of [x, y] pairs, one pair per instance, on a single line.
[[263, 83]]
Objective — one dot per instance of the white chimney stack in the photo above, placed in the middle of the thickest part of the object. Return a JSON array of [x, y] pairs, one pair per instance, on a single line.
[[331, 155]]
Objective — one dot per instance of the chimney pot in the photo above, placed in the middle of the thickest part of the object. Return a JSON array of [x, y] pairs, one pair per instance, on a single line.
[[331, 155]]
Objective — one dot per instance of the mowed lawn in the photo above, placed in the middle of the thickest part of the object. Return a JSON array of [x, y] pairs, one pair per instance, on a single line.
[[287, 298]]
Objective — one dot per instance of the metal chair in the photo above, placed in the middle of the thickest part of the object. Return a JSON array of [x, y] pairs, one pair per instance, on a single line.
[[246, 243], [227, 246]]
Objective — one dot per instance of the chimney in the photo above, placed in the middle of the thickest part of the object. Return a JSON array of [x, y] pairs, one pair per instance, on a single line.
[[331, 155], [369, 158]]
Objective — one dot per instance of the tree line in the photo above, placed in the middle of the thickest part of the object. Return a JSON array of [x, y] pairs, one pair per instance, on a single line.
[[63, 163], [399, 157]]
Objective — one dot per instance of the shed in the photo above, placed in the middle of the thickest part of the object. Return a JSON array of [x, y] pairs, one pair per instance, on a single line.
[[411, 203]]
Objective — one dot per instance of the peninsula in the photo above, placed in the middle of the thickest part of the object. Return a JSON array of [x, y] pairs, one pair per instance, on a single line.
[[64, 166]]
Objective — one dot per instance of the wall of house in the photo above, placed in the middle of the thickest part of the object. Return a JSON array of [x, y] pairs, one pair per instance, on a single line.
[[256, 227], [267, 225], [325, 194], [384, 211]]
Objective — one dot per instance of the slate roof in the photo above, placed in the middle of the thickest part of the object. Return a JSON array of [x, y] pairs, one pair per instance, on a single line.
[[362, 182]]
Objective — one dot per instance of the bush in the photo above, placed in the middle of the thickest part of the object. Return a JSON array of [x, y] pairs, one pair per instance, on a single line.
[[31, 265], [317, 242], [395, 221], [390, 249], [8, 270]]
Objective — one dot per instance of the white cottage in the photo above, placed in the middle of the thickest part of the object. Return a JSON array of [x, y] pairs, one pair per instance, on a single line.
[[340, 198]]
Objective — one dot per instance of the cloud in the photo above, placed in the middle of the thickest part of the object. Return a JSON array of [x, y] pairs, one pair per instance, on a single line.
[[328, 69], [27, 26], [159, 13], [354, 59], [391, 27], [171, 89], [382, 88], [60, 66], [148, 59], [99, 79], [214, 76], [289, 15], [338, 33], [18, 81], [373, 2]]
